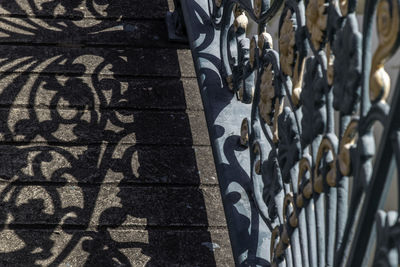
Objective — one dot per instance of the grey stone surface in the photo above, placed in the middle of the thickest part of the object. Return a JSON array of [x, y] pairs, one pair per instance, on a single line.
[[140, 127], [116, 9], [137, 33], [150, 93], [116, 205], [75, 60], [151, 247], [127, 164], [104, 151]]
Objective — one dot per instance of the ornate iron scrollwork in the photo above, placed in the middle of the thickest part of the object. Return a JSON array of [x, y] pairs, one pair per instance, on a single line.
[[300, 165]]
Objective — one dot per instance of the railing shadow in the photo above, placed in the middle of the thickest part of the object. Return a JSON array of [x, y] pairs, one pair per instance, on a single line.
[[97, 165]]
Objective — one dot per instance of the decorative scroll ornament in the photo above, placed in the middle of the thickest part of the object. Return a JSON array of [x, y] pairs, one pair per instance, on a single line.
[[305, 190], [241, 21], [325, 147], [316, 19], [387, 18], [264, 42], [347, 67], [289, 202], [344, 7], [267, 94], [313, 102], [346, 144], [286, 44], [289, 55], [244, 132]]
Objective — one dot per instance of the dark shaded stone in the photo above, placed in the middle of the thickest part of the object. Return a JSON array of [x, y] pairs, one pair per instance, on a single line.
[[161, 165], [78, 9], [156, 93], [86, 32], [111, 205], [106, 61], [152, 247], [120, 126]]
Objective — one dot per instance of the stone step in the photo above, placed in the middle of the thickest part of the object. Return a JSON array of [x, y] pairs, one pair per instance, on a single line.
[[165, 62], [74, 126], [99, 92], [77, 206], [115, 248], [121, 9], [118, 165], [141, 33]]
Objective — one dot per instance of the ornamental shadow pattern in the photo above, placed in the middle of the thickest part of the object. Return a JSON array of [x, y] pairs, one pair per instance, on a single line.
[[80, 145], [285, 171]]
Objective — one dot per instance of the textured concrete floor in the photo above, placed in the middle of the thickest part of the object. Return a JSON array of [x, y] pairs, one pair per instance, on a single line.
[[104, 153]]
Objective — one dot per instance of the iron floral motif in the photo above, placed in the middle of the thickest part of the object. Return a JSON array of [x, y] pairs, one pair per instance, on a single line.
[[316, 19], [312, 153], [347, 67], [313, 102]]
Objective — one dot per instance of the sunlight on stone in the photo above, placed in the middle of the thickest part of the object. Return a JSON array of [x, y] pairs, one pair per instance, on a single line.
[[124, 87], [21, 22], [71, 196], [135, 164], [8, 66], [67, 114], [107, 198], [124, 58], [57, 162], [112, 127], [7, 198], [15, 115], [43, 96], [10, 241], [65, 132], [113, 177], [107, 95], [60, 239], [4, 11], [90, 62], [111, 29], [36, 192], [40, 3], [86, 23], [119, 150], [62, 79], [76, 253], [125, 118], [69, 178], [42, 114], [28, 170], [24, 93], [86, 117], [25, 5], [59, 10], [46, 26], [128, 139], [14, 29], [107, 69], [101, 9]]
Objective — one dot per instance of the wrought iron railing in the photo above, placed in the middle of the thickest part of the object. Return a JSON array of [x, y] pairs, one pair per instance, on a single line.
[[312, 179]]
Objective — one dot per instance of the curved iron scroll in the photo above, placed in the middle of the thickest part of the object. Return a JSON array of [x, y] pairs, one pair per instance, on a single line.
[[300, 166]]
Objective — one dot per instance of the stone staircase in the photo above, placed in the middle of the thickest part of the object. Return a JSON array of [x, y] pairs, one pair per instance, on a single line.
[[105, 156]]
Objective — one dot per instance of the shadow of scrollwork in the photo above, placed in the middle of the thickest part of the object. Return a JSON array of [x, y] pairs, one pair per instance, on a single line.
[[97, 166]]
